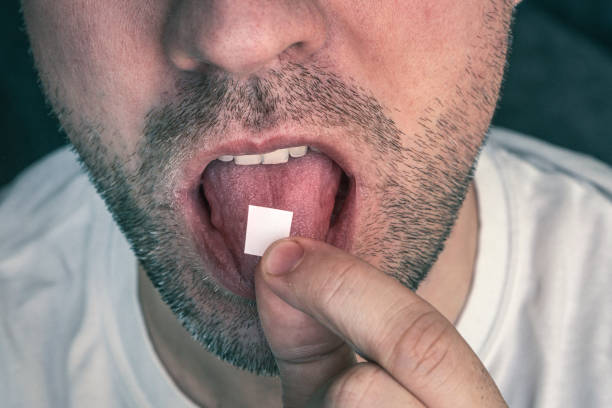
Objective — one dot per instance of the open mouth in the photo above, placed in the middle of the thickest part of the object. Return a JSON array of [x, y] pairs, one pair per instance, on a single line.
[[301, 179]]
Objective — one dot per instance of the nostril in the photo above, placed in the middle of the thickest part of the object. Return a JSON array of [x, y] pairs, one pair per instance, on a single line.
[[184, 61], [296, 52]]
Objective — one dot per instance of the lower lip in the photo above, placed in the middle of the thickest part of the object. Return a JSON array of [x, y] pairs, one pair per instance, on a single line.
[[215, 253]]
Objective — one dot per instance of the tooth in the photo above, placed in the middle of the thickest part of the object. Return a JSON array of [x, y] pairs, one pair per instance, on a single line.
[[276, 157], [314, 149], [225, 158], [247, 159], [298, 151]]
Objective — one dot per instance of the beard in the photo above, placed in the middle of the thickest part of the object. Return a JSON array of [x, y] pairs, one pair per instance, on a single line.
[[415, 195]]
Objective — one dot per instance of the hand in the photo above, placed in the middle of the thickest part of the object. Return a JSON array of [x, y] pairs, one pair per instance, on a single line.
[[317, 312]]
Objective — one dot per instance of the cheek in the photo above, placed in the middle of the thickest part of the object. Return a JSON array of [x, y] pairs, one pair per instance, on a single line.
[[422, 52], [424, 44], [102, 60]]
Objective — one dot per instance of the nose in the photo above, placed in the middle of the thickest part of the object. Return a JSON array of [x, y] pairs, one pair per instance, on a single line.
[[241, 37]]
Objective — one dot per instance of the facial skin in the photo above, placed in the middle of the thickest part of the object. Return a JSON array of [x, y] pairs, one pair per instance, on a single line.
[[150, 92]]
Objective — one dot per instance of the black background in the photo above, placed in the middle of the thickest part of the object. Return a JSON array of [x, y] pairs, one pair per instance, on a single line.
[[558, 86]]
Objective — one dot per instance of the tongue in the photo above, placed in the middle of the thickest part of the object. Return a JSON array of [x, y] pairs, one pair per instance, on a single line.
[[307, 186]]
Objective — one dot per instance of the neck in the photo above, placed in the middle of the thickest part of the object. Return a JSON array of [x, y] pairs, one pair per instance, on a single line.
[[448, 283], [209, 381]]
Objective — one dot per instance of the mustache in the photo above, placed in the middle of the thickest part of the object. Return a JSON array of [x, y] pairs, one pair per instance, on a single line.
[[207, 104]]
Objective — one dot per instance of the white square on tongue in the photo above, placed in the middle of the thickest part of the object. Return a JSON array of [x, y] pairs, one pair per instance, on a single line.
[[264, 226]]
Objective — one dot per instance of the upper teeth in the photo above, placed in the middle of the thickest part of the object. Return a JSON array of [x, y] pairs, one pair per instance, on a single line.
[[275, 157]]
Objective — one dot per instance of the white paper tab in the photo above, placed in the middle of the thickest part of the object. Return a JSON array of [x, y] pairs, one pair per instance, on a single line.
[[264, 226]]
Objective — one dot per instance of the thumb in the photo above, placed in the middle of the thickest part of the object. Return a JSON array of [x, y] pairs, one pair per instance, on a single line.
[[308, 354]]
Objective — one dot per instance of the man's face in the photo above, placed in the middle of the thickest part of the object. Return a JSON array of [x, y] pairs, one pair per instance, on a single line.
[[396, 95]]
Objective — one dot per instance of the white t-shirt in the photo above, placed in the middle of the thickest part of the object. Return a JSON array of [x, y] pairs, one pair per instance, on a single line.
[[539, 314]]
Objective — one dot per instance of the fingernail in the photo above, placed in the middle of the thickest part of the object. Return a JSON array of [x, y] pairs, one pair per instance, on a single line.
[[283, 256]]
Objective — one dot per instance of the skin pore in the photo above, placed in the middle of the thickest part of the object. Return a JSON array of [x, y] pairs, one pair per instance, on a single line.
[[149, 91]]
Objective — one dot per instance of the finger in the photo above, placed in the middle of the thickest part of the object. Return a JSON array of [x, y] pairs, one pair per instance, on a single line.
[[364, 385], [307, 353], [385, 321]]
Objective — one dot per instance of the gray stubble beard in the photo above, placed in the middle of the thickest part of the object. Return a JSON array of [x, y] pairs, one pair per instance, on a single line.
[[420, 188]]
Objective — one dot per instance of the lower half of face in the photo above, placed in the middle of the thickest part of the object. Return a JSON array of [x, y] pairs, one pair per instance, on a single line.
[[370, 141]]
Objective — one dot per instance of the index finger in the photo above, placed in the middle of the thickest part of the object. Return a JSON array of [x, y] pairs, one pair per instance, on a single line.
[[385, 322]]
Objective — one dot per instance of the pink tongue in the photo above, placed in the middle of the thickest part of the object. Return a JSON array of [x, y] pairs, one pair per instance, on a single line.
[[307, 186]]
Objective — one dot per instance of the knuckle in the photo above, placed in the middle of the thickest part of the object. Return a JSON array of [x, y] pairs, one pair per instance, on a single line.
[[338, 284], [353, 386], [423, 347]]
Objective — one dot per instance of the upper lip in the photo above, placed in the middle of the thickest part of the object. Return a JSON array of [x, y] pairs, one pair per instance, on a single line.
[[249, 146], [261, 145]]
